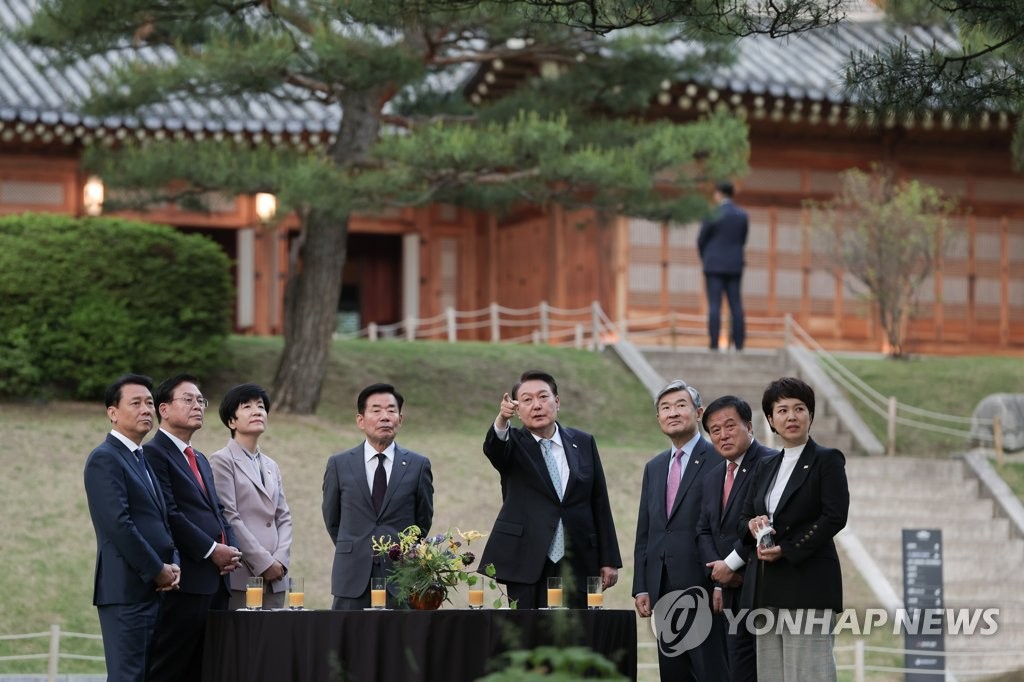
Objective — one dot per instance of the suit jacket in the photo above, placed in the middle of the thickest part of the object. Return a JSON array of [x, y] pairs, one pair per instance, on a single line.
[[722, 238], [196, 518], [351, 521], [257, 511], [133, 537], [813, 508], [530, 510], [716, 531], [668, 538]]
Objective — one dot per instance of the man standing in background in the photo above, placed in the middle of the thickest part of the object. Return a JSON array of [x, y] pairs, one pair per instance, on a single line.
[[720, 243], [135, 556]]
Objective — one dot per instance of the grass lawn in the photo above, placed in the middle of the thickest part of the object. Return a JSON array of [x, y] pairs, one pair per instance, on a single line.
[[949, 385]]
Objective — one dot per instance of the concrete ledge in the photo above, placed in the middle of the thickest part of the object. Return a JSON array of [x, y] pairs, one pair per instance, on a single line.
[[632, 358], [994, 487], [869, 570], [812, 373]]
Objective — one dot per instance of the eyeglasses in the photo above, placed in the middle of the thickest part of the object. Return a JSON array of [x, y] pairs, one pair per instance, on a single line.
[[191, 400]]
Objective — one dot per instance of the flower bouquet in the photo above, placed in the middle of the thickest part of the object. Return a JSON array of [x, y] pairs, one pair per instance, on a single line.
[[424, 568]]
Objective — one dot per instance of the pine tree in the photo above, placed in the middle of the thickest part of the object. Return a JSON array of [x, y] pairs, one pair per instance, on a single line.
[[574, 134]]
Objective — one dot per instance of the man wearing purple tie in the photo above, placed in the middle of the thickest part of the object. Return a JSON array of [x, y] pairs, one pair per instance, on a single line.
[[665, 557]]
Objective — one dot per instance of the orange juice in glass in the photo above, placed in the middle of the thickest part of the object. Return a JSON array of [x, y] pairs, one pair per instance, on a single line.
[[254, 594], [476, 594], [296, 596], [595, 593], [378, 593], [554, 593]]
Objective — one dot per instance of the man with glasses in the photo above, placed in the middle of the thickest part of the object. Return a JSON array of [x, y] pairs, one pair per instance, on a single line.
[[202, 536]]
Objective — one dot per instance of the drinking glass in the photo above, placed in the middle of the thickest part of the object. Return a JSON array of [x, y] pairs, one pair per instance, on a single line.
[[378, 592], [476, 594], [254, 594], [554, 593], [595, 592], [296, 595]]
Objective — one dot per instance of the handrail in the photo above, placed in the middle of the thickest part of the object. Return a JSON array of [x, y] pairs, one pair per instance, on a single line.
[[880, 404], [590, 327]]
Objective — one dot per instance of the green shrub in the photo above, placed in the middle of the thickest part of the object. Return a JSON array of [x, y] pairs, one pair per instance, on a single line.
[[85, 300]]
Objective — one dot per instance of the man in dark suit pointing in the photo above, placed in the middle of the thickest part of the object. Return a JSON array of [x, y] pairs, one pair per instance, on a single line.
[[555, 517], [135, 557], [727, 421], [720, 243]]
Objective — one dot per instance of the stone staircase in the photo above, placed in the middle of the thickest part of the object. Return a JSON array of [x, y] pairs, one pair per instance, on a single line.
[[982, 559], [743, 374]]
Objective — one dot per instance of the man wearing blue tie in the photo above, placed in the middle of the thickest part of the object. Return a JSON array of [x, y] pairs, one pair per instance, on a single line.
[[555, 517], [136, 560]]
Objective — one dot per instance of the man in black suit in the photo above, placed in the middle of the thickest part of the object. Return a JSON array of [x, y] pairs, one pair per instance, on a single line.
[[555, 517], [375, 489], [665, 556], [720, 243], [728, 422], [203, 537], [135, 556]]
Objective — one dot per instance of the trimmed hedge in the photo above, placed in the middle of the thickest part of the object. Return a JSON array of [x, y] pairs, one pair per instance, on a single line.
[[86, 299]]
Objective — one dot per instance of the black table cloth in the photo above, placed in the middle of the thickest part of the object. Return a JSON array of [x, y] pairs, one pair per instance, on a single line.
[[447, 645]]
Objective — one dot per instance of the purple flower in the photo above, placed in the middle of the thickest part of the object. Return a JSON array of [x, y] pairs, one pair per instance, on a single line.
[[437, 539], [395, 553]]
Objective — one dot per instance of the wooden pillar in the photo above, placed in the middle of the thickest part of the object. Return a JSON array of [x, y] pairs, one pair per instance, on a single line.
[[663, 298], [972, 277], [1004, 282], [805, 268], [773, 260], [493, 259], [620, 269], [557, 281]]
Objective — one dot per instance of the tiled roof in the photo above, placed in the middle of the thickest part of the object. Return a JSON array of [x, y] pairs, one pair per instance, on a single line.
[[32, 93], [810, 65]]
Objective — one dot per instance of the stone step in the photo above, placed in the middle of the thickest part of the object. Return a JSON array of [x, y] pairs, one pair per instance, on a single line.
[[875, 529], [913, 513], [960, 550], [990, 571], [906, 468], [867, 489]]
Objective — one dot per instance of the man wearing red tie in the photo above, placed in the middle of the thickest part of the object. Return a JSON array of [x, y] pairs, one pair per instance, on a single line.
[[727, 421], [665, 556], [202, 536]]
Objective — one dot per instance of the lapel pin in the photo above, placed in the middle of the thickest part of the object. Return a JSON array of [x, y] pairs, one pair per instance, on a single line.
[[807, 466], [743, 470], [404, 462], [574, 445]]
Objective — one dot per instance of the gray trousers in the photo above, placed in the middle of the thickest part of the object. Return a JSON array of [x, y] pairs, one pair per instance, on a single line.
[[786, 654]]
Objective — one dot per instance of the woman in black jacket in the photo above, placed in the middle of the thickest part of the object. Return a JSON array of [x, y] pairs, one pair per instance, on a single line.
[[796, 504]]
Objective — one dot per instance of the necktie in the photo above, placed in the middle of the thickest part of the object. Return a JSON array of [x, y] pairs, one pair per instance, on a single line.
[[730, 478], [190, 455], [673, 481], [140, 467], [557, 549], [380, 484]]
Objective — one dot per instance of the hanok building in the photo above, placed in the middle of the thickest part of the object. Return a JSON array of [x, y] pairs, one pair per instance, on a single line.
[[417, 263]]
